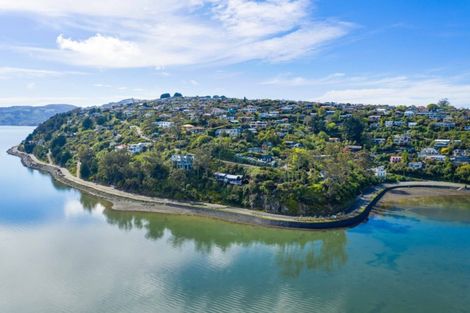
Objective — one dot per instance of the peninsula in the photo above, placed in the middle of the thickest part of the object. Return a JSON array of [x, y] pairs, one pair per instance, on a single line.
[[274, 157]]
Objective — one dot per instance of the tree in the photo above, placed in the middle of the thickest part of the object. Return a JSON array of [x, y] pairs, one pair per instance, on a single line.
[[318, 125], [463, 173], [113, 167], [177, 95], [165, 96], [203, 159], [88, 162], [352, 129], [443, 103], [432, 107], [87, 123]]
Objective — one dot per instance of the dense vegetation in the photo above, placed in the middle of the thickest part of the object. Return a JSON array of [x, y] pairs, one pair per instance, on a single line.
[[298, 158], [29, 115]]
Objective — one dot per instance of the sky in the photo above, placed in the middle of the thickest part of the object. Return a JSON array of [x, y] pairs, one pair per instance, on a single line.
[[88, 52]]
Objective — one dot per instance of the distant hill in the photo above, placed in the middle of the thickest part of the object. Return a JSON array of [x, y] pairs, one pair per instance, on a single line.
[[31, 115]]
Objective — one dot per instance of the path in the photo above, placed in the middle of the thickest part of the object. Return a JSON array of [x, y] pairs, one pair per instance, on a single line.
[[140, 133], [356, 214]]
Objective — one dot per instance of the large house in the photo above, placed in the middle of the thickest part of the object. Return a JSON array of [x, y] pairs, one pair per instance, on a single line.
[[380, 172], [232, 132], [229, 179], [164, 124], [445, 124], [402, 140], [441, 143], [183, 161], [427, 152], [138, 147], [192, 129]]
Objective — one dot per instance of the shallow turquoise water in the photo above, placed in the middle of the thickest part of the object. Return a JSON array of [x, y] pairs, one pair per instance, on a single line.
[[62, 251]]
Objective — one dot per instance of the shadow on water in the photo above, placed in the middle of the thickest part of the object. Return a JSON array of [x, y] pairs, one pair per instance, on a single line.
[[295, 250]]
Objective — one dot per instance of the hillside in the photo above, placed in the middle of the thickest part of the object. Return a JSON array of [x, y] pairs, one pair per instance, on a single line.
[[297, 158], [31, 115]]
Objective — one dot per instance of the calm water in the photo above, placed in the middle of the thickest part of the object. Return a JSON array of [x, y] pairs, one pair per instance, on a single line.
[[63, 251]]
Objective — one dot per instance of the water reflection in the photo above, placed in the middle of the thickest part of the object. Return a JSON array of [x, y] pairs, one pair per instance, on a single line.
[[295, 250], [439, 205]]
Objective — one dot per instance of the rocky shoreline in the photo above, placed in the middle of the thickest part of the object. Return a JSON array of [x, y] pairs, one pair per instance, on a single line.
[[123, 201]]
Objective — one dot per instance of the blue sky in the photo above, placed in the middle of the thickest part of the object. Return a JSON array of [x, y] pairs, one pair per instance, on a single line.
[[360, 51]]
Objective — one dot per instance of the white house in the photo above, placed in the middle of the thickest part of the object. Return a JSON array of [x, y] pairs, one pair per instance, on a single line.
[[441, 143], [379, 141], [232, 132], [164, 124], [427, 152], [437, 157], [183, 161], [402, 140], [380, 172], [138, 147], [445, 124], [415, 165], [229, 179], [250, 109]]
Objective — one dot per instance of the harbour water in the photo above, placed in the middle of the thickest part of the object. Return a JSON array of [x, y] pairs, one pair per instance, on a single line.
[[65, 251]]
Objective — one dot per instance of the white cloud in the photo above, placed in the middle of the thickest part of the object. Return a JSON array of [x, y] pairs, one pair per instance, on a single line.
[[373, 89], [31, 85], [255, 19], [122, 8], [100, 50], [297, 81], [100, 85], [73, 208], [142, 33], [18, 72], [41, 100], [406, 91]]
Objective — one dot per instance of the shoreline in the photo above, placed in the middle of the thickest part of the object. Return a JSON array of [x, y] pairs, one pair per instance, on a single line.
[[124, 201]]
